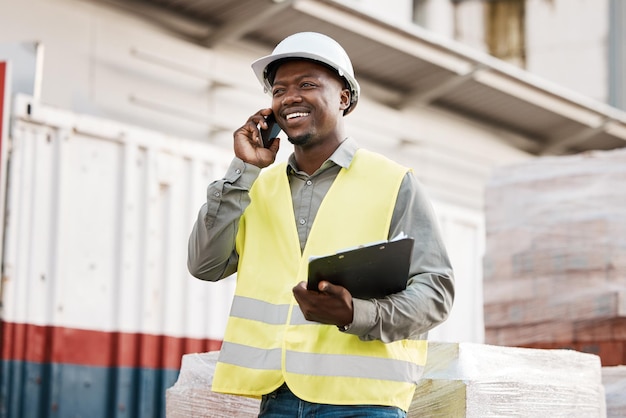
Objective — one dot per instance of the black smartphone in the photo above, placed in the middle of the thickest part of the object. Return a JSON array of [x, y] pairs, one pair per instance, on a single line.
[[271, 132]]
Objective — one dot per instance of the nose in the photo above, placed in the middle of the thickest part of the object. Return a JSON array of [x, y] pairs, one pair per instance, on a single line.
[[292, 95]]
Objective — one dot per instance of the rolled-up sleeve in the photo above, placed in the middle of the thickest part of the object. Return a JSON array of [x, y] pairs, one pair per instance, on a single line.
[[211, 246]]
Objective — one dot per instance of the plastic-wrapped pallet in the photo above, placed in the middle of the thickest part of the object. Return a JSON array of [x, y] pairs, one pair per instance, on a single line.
[[482, 381], [191, 396], [460, 380], [614, 381]]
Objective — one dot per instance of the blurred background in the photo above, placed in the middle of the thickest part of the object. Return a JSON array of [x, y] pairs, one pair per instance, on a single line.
[[116, 115]]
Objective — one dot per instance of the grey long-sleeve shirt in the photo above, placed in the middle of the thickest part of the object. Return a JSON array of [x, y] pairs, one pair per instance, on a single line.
[[428, 297]]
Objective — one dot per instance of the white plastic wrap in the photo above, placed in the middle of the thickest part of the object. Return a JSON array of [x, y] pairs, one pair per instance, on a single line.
[[191, 396], [614, 381], [483, 381]]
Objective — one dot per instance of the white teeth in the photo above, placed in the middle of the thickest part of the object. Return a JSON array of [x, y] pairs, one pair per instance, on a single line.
[[296, 115]]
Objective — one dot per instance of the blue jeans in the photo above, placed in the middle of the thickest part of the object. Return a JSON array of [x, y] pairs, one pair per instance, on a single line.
[[283, 404]]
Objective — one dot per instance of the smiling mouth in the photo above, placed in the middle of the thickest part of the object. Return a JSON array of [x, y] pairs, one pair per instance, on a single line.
[[296, 115]]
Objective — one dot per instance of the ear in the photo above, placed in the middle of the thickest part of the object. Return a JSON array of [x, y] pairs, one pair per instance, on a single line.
[[345, 99]]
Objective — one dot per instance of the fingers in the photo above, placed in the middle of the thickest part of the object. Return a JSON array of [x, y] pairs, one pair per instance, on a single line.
[[329, 288], [331, 304], [248, 144], [259, 117], [275, 145], [251, 130], [260, 121]]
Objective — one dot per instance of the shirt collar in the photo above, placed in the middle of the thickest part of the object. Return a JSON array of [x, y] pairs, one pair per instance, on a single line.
[[342, 156]]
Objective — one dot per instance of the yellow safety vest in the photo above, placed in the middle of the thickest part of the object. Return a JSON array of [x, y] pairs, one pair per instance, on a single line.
[[267, 340]]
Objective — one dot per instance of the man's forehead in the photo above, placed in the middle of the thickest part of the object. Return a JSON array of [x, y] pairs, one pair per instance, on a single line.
[[304, 67]]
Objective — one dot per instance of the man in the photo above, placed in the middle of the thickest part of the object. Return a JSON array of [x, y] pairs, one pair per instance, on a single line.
[[317, 353]]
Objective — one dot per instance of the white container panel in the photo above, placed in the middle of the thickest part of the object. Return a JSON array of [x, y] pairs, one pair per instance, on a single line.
[[29, 235], [463, 231], [98, 228]]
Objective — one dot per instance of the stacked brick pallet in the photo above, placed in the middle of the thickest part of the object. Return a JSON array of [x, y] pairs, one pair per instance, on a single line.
[[555, 262]]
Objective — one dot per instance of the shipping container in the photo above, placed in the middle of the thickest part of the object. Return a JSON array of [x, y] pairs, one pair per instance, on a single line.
[[97, 304]]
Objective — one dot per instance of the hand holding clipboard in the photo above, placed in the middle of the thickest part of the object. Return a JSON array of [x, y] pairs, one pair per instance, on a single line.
[[371, 271]]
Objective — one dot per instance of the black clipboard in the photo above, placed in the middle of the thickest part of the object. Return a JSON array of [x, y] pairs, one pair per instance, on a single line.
[[370, 271]]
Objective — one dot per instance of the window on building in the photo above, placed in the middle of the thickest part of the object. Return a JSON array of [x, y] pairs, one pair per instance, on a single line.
[[504, 30], [420, 13]]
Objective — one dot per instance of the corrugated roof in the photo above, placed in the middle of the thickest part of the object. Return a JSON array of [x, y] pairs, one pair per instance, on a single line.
[[420, 68]]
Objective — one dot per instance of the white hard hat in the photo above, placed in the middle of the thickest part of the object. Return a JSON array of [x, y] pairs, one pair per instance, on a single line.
[[316, 47]]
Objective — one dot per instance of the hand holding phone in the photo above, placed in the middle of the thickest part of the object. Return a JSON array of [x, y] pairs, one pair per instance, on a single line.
[[271, 132]]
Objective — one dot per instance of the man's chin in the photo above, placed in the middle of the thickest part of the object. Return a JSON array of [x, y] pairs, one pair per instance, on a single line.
[[300, 140]]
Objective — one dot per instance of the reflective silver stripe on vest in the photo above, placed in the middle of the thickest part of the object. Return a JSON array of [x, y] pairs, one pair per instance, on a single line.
[[352, 366], [250, 357], [297, 317], [307, 363], [258, 310], [321, 364]]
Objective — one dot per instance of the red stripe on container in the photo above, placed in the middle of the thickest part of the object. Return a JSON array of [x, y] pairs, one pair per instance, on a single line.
[[49, 344]]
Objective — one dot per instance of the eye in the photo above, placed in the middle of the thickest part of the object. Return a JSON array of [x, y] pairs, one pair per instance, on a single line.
[[277, 91], [307, 85]]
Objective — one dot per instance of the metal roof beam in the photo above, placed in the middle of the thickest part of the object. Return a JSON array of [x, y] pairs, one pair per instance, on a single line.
[[425, 97], [238, 28], [188, 27], [561, 146], [531, 94], [616, 129]]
